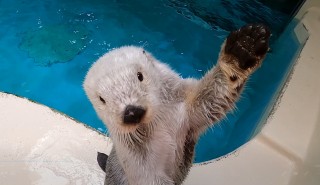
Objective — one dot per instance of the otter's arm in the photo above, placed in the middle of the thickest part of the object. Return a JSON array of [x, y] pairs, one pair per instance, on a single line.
[[216, 93]]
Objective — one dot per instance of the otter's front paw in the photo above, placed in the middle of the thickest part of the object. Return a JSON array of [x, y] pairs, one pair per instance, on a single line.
[[248, 45]]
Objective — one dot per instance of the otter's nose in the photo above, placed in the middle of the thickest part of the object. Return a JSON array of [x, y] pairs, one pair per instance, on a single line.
[[133, 114]]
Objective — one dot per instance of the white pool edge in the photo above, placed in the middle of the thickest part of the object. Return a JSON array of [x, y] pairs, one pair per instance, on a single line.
[[286, 152]]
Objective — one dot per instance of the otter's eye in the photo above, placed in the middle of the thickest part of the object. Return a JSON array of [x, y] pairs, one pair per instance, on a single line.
[[140, 76], [102, 100]]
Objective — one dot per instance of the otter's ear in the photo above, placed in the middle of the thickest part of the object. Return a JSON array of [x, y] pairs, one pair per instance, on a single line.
[[148, 56]]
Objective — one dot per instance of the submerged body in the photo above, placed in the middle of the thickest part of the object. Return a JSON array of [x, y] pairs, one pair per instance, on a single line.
[[155, 117]]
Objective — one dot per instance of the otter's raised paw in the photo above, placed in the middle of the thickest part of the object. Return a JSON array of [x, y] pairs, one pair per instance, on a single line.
[[248, 45]]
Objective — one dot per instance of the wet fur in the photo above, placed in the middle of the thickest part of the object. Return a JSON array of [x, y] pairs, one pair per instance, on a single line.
[[160, 149]]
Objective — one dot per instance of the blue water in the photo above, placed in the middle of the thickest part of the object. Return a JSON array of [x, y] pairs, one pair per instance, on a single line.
[[47, 46]]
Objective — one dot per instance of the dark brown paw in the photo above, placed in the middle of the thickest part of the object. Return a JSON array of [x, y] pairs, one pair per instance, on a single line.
[[248, 44]]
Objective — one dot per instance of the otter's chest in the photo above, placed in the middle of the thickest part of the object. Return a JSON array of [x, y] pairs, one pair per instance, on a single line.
[[169, 152], [173, 144]]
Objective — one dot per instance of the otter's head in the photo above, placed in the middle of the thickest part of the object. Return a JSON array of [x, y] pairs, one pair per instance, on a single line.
[[123, 88]]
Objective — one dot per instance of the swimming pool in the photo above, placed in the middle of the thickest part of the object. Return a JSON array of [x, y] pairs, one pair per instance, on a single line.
[[46, 48]]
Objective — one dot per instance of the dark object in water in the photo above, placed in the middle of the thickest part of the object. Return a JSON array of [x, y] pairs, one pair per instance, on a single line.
[[55, 43]]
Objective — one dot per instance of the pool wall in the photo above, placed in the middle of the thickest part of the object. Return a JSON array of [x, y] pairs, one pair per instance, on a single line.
[[285, 152]]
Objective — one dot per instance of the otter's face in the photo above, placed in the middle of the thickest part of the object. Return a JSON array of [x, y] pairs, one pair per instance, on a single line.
[[123, 88]]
